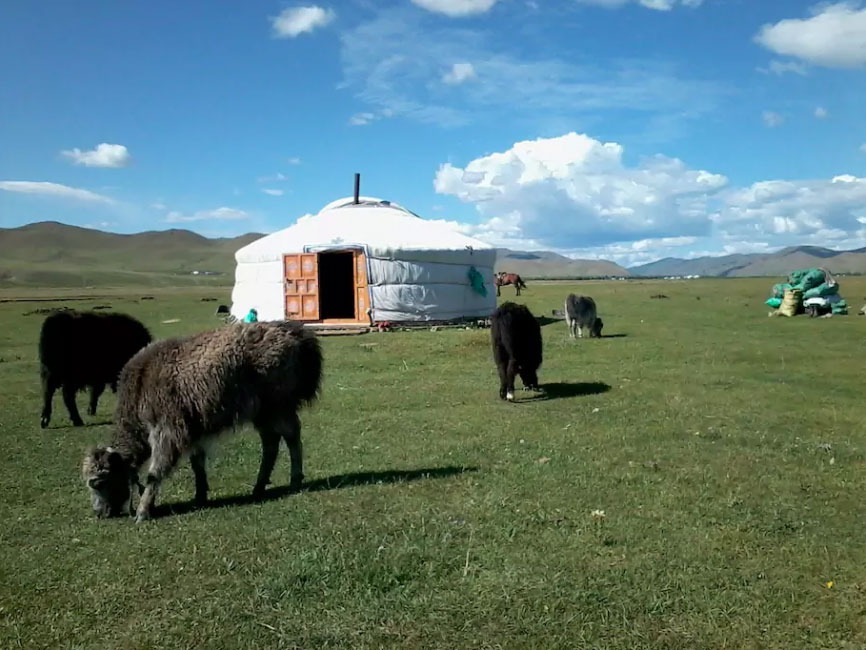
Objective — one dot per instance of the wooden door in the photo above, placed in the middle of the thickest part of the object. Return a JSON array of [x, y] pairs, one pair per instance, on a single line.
[[302, 286], [362, 293]]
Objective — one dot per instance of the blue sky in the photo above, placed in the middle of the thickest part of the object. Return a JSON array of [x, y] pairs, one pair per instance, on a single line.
[[623, 129]]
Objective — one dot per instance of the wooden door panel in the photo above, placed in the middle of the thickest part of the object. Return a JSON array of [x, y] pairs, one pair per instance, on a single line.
[[302, 286], [362, 293]]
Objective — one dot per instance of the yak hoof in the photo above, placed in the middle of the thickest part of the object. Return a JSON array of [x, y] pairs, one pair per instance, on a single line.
[[509, 396], [44, 421], [141, 517]]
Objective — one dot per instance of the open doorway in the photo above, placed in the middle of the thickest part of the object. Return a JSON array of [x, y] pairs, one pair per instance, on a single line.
[[337, 285]]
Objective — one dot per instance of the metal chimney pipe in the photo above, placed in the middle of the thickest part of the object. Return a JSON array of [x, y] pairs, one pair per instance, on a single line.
[[357, 189]]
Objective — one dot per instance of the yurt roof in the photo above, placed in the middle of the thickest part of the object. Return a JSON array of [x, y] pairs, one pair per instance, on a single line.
[[379, 225]]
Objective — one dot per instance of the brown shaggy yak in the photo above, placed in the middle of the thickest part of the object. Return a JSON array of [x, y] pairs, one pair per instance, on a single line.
[[177, 395], [81, 349]]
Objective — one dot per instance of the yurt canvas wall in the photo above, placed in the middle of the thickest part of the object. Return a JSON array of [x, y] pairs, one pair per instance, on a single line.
[[334, 266]]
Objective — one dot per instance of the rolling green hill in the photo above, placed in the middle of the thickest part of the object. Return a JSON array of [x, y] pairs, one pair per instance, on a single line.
[[54, 254]]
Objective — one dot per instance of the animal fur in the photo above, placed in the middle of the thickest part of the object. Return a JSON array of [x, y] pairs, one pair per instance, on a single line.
[[516, 338], [581, 314], [84, 349], [177, 395]]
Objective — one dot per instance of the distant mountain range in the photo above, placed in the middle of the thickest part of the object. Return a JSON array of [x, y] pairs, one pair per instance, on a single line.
[[777, 264], [51, 254], [547, 265]]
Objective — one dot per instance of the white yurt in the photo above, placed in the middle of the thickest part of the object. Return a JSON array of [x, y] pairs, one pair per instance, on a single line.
[[362, 260]]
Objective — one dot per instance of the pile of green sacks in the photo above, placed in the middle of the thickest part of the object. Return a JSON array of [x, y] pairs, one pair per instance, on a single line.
[[814, 283]]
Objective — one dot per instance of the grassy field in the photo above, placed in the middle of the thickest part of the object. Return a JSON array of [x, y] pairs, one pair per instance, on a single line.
[[725, 449]]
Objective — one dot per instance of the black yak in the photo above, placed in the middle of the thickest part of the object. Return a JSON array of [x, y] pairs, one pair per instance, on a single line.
[[177, 395], [516, 338], [85, 349], [580, 314]]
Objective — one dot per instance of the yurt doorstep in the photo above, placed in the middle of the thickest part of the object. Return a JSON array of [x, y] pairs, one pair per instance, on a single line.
[[328, 287]]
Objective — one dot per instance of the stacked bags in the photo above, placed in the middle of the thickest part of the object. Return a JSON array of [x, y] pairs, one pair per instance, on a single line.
[[814, 289]]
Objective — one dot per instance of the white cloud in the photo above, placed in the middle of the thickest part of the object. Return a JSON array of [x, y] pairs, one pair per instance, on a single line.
[[821, 113], [159, 205], [834, 36], [104, 155], [772, 119], [219, 214], [54, 189], [456, 8], [658, 5], [295, 21], [273, 192], [823, 209], [637, 252], [361, 119], [574, 194], [394, 63], [459, 73], [279, 177], [781, 67], [293, 161], [576, 191]]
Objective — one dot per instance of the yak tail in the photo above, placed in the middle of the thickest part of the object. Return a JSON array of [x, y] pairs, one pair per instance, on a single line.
[[309, 367]]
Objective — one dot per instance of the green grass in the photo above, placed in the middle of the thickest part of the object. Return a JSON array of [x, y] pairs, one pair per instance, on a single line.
[[727, 455]]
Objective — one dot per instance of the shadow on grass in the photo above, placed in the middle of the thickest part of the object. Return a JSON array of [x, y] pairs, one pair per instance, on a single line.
[[336, 482], [72, 427], [544, 321], [561, 389], [547, 320]]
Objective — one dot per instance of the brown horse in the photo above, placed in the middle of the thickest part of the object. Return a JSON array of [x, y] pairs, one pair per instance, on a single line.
[[502, 278]]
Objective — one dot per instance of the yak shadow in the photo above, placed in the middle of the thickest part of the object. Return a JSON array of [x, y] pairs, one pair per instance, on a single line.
[[544, 321], [72, 427], [353, 479], [562, 389]]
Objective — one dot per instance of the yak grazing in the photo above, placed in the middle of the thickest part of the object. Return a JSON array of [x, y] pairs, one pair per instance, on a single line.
[[581, 314], [177, 395], [83, 349], [516, 338]]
